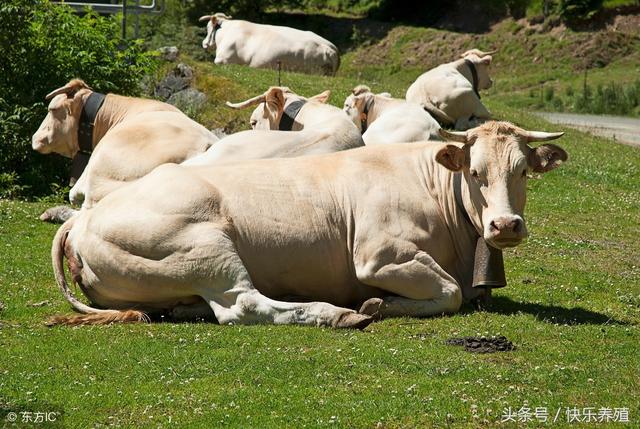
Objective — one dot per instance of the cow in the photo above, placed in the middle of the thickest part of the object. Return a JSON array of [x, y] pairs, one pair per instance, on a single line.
[[378, 226], [383, 119], [269, 46], [451, 92], [126, 137], [318, 128]]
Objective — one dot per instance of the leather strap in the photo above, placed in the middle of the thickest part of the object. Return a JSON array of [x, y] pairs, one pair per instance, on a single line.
[[85, 135], [474, 76], [365, 120], [289, 114]]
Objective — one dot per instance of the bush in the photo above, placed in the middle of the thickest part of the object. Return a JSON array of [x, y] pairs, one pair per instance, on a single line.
[[44, 45], [578, 10]]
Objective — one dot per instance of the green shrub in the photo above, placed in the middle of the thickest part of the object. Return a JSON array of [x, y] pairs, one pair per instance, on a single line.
[[579, 10], [44, 45]]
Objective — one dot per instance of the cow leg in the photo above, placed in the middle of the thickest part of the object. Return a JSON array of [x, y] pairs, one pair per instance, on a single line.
[[423, 288], [235, 300]]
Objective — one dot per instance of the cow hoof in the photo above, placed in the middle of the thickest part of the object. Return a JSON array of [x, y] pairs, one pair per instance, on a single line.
[[353, 321], [371, 307]]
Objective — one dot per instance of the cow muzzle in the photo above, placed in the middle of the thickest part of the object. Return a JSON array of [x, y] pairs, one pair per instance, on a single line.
[[39, 144], [506, 231]]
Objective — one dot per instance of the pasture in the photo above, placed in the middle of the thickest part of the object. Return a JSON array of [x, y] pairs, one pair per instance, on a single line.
[[572, 309]]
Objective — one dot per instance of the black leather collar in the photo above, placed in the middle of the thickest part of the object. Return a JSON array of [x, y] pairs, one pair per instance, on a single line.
[[457, 194], [85, 134], [289, 114], [365, 120], [474, 76]]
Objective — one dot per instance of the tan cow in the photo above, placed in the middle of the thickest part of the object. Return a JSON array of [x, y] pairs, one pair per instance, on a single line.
[[317, 128], [378, 225], [269, 46], [131, 136], [383, 119], [451, 92]]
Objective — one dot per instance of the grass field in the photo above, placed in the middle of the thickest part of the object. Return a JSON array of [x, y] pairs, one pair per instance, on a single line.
[[572, 308]]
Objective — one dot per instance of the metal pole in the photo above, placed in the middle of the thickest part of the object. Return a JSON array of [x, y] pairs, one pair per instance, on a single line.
[[137, 27], [279, 70], [124, 19]]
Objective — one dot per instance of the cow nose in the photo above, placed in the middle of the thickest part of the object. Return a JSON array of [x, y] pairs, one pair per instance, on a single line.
[[509, 225]]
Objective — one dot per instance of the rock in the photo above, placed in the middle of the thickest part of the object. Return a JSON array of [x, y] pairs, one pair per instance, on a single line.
[[188, 100], [175, 81], [169, 53]]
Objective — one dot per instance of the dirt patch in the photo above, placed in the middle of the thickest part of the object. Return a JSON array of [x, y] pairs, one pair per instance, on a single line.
[[482, 344], [602, 48]]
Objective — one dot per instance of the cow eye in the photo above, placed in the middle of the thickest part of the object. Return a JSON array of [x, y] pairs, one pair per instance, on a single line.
[[473, 173]]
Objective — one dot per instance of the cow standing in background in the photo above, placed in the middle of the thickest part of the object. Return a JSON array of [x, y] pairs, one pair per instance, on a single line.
[[269, 46], [451, 92]]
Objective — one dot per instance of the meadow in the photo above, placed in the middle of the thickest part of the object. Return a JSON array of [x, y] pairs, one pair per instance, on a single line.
[[571, 307]]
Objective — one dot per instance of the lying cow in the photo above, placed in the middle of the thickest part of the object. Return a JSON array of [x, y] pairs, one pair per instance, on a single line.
[[451, 92], [319, 128], [269, 46], [379, 225], [125, 137], [383, 119]]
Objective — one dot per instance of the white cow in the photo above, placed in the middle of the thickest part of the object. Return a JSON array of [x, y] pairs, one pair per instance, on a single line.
[[269, 46], [130, 137], [451, 92], [312, 127], [378, 225], [383, 119]]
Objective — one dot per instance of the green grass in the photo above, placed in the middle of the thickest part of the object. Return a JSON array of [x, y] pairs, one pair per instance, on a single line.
[[572, 308]]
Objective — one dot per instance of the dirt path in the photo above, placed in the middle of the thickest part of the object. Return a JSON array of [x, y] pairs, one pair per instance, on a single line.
[[619, 128]]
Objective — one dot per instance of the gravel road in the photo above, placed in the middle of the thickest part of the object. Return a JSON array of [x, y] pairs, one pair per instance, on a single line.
[[621, 129]]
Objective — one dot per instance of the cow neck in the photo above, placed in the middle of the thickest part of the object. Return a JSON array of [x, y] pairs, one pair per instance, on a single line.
[[86, 127], [474, 75], [289, 114], [457, 194], [364, 120]]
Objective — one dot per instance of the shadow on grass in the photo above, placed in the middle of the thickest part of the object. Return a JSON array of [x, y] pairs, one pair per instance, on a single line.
[[552, 313]]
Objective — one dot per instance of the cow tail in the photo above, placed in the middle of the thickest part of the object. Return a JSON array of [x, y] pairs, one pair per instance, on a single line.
[[90, 316]]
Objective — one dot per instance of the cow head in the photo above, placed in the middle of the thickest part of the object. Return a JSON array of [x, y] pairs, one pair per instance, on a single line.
[[58, 132], [270, 106], [213, 24], [355, 104], [482, 64], [495, 159], [477, 52]]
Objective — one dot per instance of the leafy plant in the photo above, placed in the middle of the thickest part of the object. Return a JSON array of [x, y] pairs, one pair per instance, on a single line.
[[44, 45]]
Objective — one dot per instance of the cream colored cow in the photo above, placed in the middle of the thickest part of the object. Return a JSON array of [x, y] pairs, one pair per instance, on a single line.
[[269, 46], [383, 119], [315, 128], [451, 92], [131, 136], [378, 225]]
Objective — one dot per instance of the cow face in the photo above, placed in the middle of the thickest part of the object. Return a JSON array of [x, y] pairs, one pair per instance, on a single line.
[[495, 159], [482, 66], [354, 107], [58, 132], [213, 25]]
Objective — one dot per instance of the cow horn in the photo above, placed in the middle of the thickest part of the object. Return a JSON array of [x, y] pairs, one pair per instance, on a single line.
[[541, 136], [205, 18], [70, 89], [250, 102], [456, 136]]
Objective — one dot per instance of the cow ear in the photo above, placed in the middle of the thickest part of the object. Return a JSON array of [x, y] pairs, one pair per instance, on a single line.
[[323, 97], [274, 99], [452, 157], [546, 157]]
